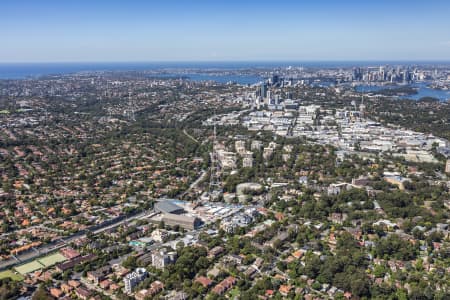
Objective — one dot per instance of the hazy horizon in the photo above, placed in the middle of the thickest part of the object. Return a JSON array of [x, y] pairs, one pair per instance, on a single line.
[[247, 61]]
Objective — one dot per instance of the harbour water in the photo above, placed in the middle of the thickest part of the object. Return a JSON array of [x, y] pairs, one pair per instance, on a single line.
[[423, 90]]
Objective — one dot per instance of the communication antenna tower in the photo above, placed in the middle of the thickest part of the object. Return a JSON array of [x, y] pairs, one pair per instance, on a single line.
[[214, 182], [131, 111]]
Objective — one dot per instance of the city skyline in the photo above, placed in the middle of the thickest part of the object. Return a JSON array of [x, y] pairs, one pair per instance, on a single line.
[[141, 31], [212, 149]]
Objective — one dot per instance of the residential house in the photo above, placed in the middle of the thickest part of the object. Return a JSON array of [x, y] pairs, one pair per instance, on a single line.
[[83, 293], [204, 281], [224, 285], [98, 275]]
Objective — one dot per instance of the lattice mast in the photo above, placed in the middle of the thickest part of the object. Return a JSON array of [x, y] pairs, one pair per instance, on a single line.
[[214, 182]]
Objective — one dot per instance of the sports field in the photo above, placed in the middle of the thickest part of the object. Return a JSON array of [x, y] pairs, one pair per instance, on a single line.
[[52, 259], [11, 274], [29, 267], [41, 263]]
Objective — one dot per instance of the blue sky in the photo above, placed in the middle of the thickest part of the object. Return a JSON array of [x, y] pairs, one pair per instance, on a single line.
[[209, 30]]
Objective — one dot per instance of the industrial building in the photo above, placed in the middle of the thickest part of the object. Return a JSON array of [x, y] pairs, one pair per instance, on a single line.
[[168, 206], [185, 222]]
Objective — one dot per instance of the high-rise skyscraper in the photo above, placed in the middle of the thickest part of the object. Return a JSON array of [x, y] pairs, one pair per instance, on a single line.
[[263, 89], [275, 79]]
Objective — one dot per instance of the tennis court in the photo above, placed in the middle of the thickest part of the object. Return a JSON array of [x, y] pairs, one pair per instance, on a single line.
[[52, 259], [29, 267], [11, 274]]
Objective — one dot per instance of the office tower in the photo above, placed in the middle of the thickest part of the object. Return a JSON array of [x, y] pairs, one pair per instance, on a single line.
[[382, 74], [275, 79], [263, 90]]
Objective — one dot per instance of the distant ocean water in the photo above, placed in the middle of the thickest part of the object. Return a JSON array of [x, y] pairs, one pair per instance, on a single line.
[[26, 70], [34, 70]]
